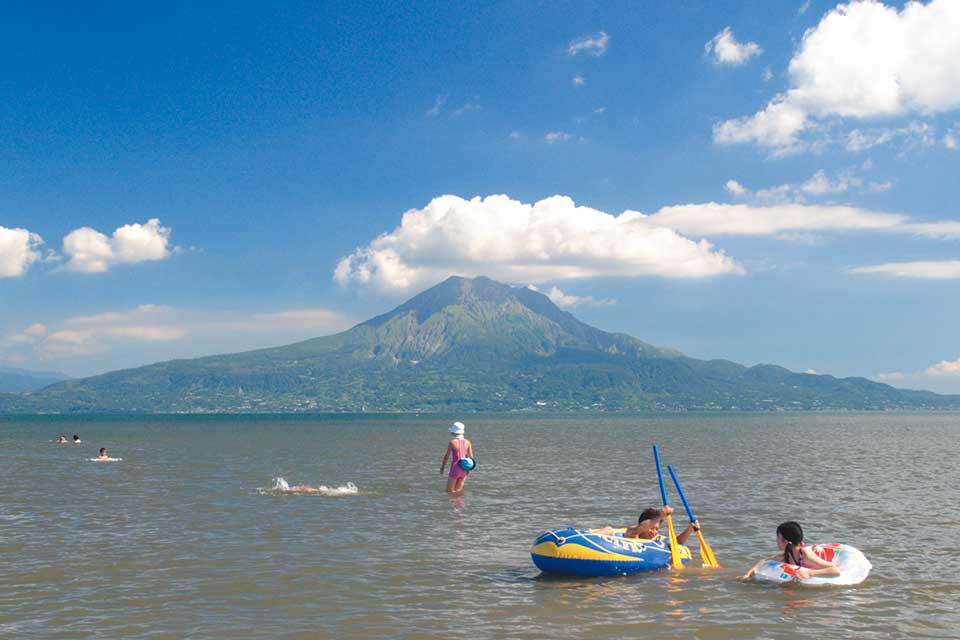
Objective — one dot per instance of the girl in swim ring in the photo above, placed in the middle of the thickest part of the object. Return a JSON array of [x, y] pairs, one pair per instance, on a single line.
[[790, 542], [458, 447]]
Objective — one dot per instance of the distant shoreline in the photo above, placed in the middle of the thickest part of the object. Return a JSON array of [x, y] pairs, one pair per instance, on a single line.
[[446, 415]]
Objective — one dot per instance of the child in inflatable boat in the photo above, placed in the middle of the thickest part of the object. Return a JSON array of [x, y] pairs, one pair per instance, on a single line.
[[648, 526], [790, 542]]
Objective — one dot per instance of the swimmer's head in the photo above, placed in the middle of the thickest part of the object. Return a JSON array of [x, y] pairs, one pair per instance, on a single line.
[[103, 450], [76, 437], [790, 532]]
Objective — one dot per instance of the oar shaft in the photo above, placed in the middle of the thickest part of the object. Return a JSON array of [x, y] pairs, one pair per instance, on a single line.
[[663, 488], [683, 498]]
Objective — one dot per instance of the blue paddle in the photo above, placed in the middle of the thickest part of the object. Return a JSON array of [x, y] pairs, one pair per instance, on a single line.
[[674, 545], [706, 553]]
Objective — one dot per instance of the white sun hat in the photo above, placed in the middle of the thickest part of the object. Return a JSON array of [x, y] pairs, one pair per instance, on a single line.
[[457, 428]]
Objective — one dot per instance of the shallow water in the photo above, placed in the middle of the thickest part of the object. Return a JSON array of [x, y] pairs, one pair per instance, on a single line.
[[186, 536]]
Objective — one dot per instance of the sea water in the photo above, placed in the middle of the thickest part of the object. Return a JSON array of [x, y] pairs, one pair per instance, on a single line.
[[192, 534]]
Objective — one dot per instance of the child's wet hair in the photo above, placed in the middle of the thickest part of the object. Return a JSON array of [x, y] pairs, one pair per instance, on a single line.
[[649, 514], [792, 532]]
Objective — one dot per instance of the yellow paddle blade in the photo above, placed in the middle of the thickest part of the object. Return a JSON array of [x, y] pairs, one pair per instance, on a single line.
[[674, 545], [706, 553]]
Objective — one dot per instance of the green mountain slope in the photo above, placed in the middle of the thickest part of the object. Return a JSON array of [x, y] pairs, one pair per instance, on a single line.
[[464, 344]]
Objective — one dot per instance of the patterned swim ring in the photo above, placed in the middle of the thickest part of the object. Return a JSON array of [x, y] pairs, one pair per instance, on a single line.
[[854, 567]]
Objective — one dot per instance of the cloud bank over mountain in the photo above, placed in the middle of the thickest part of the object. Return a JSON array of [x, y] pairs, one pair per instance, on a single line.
[[553, 239]]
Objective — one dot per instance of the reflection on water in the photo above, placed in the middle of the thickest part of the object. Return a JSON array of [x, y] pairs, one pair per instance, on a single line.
[[186, 545]]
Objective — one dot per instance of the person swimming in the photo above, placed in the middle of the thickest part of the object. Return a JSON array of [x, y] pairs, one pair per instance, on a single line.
[[281, 486], [76, 439], [304, 488], [790, 542], [103, 455], [648, 526], [62, 440]]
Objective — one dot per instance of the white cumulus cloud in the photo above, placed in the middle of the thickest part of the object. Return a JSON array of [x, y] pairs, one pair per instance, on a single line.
[[90, 251], [727, 50], [713, 218], [945, 368], [923, 269], [565, 300], [557, 136], [19, 248], [776, 126], [553, 239], [594, 44], [819, 184], [864, 59], [735, 188]]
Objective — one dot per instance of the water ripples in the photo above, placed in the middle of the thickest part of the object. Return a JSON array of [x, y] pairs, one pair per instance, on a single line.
[[178, 540]]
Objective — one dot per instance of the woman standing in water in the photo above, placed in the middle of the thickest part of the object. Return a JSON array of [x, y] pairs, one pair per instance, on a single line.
[[458, 449]]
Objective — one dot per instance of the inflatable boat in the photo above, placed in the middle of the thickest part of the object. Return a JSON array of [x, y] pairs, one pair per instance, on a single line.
[[854, 567], [582, 553]]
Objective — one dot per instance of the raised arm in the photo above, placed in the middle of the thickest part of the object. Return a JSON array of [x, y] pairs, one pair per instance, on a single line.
[[683, 535]]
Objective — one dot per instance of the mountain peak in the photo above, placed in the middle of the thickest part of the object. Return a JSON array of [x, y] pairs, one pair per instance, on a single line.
[[480, 313], [462, 291]]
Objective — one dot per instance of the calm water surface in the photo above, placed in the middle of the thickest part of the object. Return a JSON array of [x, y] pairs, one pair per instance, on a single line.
[[176, 540]]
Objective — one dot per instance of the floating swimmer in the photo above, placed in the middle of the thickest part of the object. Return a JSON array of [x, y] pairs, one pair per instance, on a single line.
[[103, 457], [62, 440], [795, 553], [460, 452], [76, 439], [282, 486]]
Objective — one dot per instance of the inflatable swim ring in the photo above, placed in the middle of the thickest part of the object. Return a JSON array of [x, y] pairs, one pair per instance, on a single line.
[[578, 552], [854, 566]]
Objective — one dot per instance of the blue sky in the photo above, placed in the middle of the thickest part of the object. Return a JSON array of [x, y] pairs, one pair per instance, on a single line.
[[759, 181]]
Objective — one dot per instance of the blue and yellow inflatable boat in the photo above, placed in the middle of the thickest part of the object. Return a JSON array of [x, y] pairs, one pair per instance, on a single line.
[[579, 552]]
